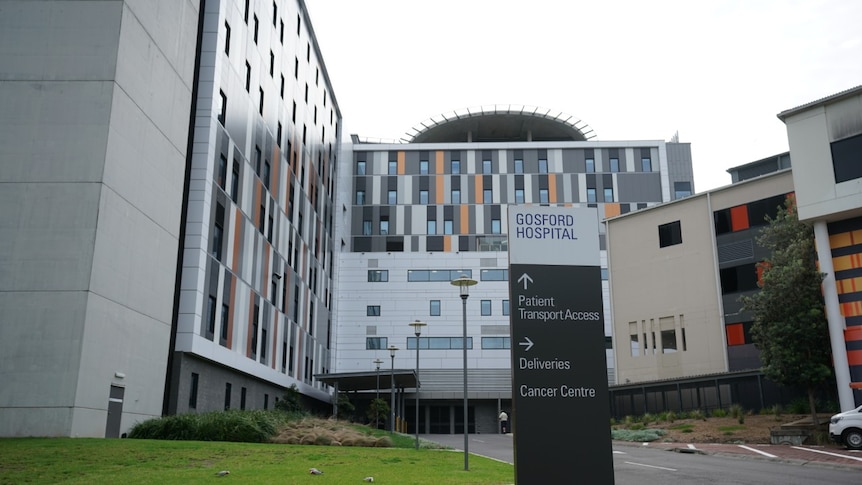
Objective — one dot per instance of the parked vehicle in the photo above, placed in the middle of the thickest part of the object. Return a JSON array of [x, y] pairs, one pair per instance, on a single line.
[[846, 428]]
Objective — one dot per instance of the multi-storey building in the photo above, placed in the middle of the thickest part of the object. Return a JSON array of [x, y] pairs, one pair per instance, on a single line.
[[825, 138], [416, 215], [168, 174]]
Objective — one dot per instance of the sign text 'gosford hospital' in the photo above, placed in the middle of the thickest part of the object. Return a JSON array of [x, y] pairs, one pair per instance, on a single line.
[[545, 226]]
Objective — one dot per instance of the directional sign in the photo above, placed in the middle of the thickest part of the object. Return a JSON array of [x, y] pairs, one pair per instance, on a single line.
[[559, 375]]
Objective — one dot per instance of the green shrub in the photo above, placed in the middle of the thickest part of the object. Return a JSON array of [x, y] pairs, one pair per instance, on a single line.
[[671, 416], [718, 413], [642, 435], [239, 426], [736, 410], [648, 418], [696, 414], [798, 406]]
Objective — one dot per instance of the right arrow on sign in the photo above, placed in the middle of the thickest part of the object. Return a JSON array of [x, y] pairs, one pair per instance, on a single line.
[[525, 278], [527, 345]]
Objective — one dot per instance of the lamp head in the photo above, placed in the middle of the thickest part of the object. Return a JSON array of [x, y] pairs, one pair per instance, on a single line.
[[463, 282], [417, 327], [392, 349]]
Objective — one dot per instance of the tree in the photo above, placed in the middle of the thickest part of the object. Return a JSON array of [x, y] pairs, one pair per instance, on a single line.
[[378, 411], [345, 407], [790, 327], [292, 400]]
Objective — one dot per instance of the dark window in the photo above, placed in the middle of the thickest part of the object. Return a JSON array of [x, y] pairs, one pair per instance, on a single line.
[[193, 391], [669, 234], [372, 310], [723, 223], [376, 343], [494, 275], [274, 13], [435, 308], [255, 29], [234, 182], [298, 24], [260, 105], [738, 278], [227, 396], [615, 164], [211, 315], [543, 165], [218, 234], [225, 313], [242, 394], [223, 112], [271, 64], [590, 165], [646, 164], [486, 307], [278, 135], [496, 343], [245, 12], [681, 189], [847, 158], [378, 275], [227, 38], [222, 171], [266, 173], [759, 210], [506, 307]]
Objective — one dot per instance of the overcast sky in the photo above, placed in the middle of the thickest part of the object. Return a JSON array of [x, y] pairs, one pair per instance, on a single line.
[[715, 71]]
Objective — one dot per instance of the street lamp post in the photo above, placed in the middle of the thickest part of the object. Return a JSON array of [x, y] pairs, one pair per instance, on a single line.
[[392, 350], [377, 396], [464, 283], [417, 329]]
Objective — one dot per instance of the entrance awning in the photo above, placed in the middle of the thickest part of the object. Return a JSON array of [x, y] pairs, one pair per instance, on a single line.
[[367, 381]]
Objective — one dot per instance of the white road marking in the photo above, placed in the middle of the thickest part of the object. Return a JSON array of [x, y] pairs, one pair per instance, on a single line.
[[757, 451], [619, 452], [691, 446], [651, 466], [827, 453]]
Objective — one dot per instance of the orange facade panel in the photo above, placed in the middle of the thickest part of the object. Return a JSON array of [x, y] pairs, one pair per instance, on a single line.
[[552, 188], [849, 285], [465, 219], [845, 239], [854, 357], [739, 218], [439, 169], [438, 193], [851, 261], [477, 183], [735, 334], [612, 209], [853, 334], [447, 243], [851, 308], [401, 162]]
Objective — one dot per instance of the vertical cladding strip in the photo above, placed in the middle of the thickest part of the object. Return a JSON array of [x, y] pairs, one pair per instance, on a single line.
[[552, 188], [264, 284], [231, 311], [275, 339], [480, 191], [258, 189], [439, 183], [276, 162], [439, 162], [612, 209], [401, 162], [465, 219], [739, 218], [237, 241], [447, 243]]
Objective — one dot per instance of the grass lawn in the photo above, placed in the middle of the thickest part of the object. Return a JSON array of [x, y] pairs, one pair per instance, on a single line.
[[97, 461]]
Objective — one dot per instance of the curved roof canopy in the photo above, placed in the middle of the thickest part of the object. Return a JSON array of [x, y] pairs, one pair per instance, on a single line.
[[500, 123]]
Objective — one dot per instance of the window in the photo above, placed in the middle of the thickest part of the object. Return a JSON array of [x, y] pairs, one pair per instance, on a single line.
[[439, 343], [296, 68], [260, 104], [227, 396], [486, 166], [423, 275], [519, 196], [543, 165], [668, 341], [519, 165], [242, 394], [298, 24], [274, 13], [211, 315], [372, 310], [376, 343], [193, 391], [487, 196], [423, 196], [266, 173], [223, 112], [360, 167], [634, 345], [393, 167], [646, 164], [486, 307], [591, 194], [506, 307], [423, 167], [225, 314], [227, 38], [495, 226], [234, 181], [271, 64], [456, 196], [293, 113], [591, 165], [278, 135], [360, 197], [456, 166], [847, 158], [384, 226], [447, 226], [615, 164], [378, 275], [245, 12], [609, 194], [681, 189], [218, 233], [366, 227], [543, 196], [494, 275], [261, 221], [431, 227], [255, 29], [281, 31], [434, 309], [392, 197], [496, 343], [222, 171], [306, 93], [669, 234], [738, 278]]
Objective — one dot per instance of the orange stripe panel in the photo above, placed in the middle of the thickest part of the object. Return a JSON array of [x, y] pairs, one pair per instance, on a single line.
[[480, 192], [856, 236], [850, 285], [842, 263], [465, 219], [852, 334], [739, 217], [612, 209], [841, 240], [258, 189], [276, 162], [439, 195], [401, 162], [735, 334], [447, 243], [237, 237], [851, 309], [439, 162], [552, 188], [854, 357]]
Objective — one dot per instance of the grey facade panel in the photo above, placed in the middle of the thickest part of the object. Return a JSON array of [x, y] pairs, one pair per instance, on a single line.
[[639, 187]]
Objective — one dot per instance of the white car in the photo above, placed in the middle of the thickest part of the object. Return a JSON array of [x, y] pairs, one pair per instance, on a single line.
[[846, 428]]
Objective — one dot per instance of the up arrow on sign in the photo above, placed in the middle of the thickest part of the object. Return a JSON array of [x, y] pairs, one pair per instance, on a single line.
[[525, 278]]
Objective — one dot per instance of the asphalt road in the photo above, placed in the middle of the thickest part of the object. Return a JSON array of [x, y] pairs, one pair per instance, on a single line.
[[636, 464]]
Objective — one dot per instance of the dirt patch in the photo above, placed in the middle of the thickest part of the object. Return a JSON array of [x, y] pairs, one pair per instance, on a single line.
[[754, 429]]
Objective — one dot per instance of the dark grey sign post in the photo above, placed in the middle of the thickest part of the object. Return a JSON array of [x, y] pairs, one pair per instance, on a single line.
[[559, 376]]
